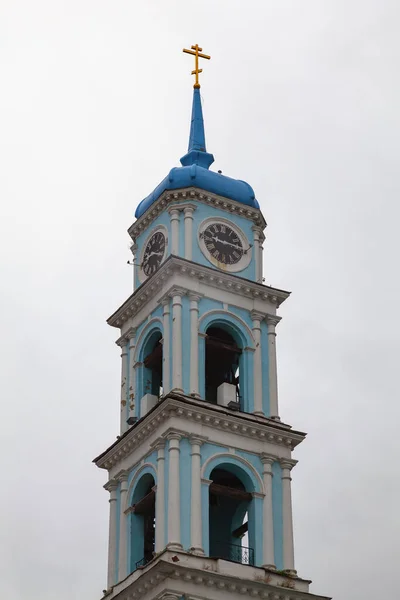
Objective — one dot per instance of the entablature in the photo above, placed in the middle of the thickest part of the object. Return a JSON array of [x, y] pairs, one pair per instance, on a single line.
[[174, 409], [176, 197], [191, 275]]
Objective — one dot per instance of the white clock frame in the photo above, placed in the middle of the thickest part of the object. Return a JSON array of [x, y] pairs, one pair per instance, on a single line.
[[141, 274], [247, 248]]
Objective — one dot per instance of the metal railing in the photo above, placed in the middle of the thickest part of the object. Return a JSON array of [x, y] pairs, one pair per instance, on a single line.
[[233, 552]]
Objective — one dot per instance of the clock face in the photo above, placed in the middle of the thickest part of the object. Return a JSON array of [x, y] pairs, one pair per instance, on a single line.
[[153, 253], [223, 243]]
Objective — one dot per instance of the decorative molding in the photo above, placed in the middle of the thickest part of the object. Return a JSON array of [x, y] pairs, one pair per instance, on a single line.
[[203, 273], [122, 341], [261, 428], [238, 459], [111, 485], [197, 578], [273, 320], [175, 198], [122, 475]]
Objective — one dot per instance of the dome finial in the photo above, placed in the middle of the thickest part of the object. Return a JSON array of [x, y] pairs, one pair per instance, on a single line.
[[196, 51]]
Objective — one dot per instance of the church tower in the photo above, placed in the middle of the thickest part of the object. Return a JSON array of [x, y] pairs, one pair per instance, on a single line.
[[200, 475]]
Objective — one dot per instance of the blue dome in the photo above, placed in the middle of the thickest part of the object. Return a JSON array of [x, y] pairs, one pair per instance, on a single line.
[[195, 170], [196, 176]]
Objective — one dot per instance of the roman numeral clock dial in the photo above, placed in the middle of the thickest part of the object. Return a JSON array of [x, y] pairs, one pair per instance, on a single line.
[[224, 245], [153, 253]]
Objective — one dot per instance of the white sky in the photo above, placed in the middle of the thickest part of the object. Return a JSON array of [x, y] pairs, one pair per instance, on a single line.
[[301, 99]]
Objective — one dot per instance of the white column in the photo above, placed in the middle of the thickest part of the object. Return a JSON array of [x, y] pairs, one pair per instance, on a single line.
[[132, 373], [166, 345], [177, 340], [258, 272], [175, 217], [272, 321], [174, 501], [268, 521], [261, 260], [188, 221], [123, 527], [194, 345], [160, 498], [111, 486], [195, 512], [288, 544], [123, 344], [257, 372]]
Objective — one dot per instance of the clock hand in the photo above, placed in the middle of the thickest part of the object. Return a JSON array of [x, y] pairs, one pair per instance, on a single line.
[[227, 243]]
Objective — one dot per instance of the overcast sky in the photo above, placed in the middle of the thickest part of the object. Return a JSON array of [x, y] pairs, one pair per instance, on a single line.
[[301, 99]]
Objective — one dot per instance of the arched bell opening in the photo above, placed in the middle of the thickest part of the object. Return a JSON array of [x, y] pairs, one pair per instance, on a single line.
[[222, 367], [229, 504], [153, 362], [143, 522]]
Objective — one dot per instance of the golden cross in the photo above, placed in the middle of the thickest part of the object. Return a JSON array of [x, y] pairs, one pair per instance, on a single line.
[[196, 51]]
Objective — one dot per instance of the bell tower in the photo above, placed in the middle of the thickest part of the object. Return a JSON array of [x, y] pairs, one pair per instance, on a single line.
[[199, 479]]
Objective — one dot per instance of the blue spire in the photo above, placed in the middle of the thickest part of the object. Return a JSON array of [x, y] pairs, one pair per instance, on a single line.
[[197, 154]]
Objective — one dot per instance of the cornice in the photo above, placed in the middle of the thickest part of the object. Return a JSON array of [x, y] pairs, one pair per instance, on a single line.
[[199, 574], [170, 198], [176, 265], [183, 407]]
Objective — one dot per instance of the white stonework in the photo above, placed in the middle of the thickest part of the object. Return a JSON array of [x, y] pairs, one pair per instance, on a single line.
[[178, 574], [122, 477], [175, 198], [272, 321], [111, 486], [174, 521], [194, 346]]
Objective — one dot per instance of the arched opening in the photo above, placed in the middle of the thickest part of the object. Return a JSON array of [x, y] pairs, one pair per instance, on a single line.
[[153, 363], [229, 510], [222, 367], [143, 522]]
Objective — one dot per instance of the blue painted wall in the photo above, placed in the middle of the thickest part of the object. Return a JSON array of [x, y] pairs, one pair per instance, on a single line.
[[203, 211]]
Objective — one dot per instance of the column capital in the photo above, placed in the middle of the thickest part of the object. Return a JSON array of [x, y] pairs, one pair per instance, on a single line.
[[173, 435], [158, 444], [272, 320], [287, 463], [257, 315], [174, 212], [111, 485], [122, 475], [193, 297], [267, 460], [122, 341], [197, 439], [131, 333], [177, 291], [169, 596], [188, 210]]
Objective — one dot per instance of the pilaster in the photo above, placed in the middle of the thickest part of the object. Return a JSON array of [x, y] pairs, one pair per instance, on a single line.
[[176, 295], [122, 477], [272, 322], [194, 344], [288, 541], [268, 521], [175, 218], [112, 486], [195, 514], [174, 500], [122, 342], [257, 317]]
